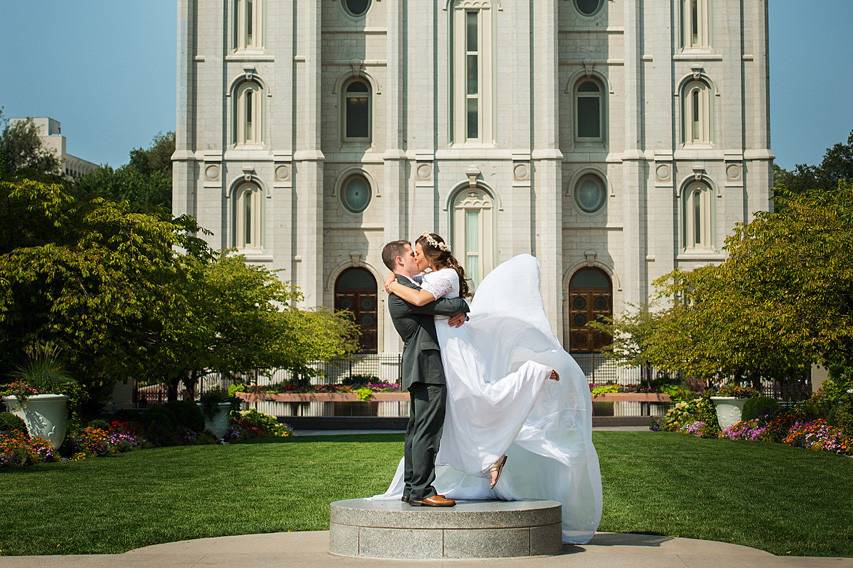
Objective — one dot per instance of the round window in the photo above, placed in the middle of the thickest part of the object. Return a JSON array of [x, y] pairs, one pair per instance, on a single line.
[[590, 194], [356, 194], [588, 7], [356, 7]]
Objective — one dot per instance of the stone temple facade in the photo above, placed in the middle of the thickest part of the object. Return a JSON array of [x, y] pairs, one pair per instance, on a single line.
[[614, 139]]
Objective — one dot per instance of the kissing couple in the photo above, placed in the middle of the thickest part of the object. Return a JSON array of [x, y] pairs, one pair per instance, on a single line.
[[499, 410]]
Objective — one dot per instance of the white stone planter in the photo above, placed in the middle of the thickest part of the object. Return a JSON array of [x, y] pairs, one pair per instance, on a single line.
[[44, 414], [218, 425], [729, 409]]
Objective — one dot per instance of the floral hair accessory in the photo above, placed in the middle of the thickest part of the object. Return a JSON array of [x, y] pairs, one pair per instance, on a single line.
[[434, 243]]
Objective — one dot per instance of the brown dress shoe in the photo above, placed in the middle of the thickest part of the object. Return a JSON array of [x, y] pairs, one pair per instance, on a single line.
[[434, 501]]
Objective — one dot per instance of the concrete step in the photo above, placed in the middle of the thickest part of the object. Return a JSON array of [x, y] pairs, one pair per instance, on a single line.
[[471, 529]]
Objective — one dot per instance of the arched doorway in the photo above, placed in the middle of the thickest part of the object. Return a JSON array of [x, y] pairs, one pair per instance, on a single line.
[[590, 297], [355, 290]]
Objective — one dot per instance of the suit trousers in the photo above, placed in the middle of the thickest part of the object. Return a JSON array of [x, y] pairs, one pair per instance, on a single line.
[[423, 434]]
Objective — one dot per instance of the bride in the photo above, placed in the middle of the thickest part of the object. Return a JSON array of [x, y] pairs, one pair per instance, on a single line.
[[509, 432]]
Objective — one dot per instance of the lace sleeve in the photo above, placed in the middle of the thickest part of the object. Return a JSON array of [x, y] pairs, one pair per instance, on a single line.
[[440, 283]]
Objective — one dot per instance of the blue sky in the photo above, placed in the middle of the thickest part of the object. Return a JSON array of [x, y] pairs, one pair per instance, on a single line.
[[106, 70]]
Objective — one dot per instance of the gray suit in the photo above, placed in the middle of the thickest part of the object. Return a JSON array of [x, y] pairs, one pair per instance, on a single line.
[[423, 377]]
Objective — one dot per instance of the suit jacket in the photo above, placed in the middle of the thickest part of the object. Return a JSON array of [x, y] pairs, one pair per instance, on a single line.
[[421, 353]]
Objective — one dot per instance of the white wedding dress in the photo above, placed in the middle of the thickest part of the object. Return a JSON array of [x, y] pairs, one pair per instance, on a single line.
[[499, 401]]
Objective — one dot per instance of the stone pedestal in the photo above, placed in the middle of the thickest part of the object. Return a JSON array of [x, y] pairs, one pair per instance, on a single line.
[[471, 529]]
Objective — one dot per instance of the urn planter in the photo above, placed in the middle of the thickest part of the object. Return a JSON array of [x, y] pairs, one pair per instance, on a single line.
[[44, 414], [729, 409], [218, 423]]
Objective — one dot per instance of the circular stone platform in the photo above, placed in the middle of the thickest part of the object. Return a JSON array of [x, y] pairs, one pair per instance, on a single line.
[[471, 529]]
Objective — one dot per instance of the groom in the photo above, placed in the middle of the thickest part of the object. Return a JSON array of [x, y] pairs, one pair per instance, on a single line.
[[423, 375]]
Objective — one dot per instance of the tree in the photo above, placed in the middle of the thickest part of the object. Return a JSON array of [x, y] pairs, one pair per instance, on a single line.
[[836, 168], [781, 300], [145, 182], [22, 153], [631, 335], [242, 319]]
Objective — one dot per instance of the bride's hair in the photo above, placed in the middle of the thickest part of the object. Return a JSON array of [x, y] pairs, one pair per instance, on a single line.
[[438, 254]]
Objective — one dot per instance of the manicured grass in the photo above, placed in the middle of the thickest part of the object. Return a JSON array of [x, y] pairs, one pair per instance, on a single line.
[[780, 499]]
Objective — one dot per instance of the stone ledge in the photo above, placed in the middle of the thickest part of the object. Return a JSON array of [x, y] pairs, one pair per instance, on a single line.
[[472, 529]]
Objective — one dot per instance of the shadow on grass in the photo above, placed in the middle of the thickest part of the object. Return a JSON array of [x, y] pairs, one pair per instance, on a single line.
[[336, 439]]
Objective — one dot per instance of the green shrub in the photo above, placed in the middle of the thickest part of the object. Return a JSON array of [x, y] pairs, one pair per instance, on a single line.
[[604, 389], [360, 380], [235, 388], [187, 414], [762, 407], [689, 412], [678, 393], [160, 426], [11, 423]]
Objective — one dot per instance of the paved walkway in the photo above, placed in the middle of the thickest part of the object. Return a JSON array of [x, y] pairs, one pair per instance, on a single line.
[[310, 550]]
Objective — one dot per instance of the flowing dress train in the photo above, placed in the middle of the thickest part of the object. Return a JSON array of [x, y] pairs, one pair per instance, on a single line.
[[499, 401]]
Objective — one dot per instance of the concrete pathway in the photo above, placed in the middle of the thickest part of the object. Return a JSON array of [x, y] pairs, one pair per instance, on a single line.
[[310, 550]]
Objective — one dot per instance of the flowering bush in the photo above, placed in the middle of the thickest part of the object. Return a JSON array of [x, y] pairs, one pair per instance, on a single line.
[[819, 435], [750, 430], [248, 424], [94, 441], [699, 429], [688, 412], [18, 388], [17, 449], [737, 391]]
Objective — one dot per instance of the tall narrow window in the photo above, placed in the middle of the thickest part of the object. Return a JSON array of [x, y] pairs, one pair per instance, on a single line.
[[248, 20], [698, 218], [696, 110], [473, 234], [589, 116], [357, 111], [472, 74], [248, 113], [695, 26], [247, 229]]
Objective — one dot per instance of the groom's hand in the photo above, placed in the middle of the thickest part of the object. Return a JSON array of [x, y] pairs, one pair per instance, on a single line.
[[457, 320]]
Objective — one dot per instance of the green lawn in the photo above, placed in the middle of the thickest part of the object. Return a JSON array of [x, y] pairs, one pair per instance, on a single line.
[[780, 499]]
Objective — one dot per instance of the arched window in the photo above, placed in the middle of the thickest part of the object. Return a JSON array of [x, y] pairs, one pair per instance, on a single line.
[[590, 297], [356, 8], [355, 193], [589, 115], [696, 112], [473, 241], [248, 217], [356, 291], [248, 24], [357, 111], [695, 26], [588, 7], [248, 114], [698, 217]]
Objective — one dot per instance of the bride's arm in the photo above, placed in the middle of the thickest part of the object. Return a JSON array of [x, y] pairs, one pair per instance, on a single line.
[[410, 295]]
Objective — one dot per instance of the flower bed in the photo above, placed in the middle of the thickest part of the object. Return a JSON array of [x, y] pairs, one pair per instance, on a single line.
[[250, 424], [17, 449], [818, 435]]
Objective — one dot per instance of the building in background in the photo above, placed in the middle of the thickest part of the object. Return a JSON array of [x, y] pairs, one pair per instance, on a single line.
[[615, 140], [50, 132]]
